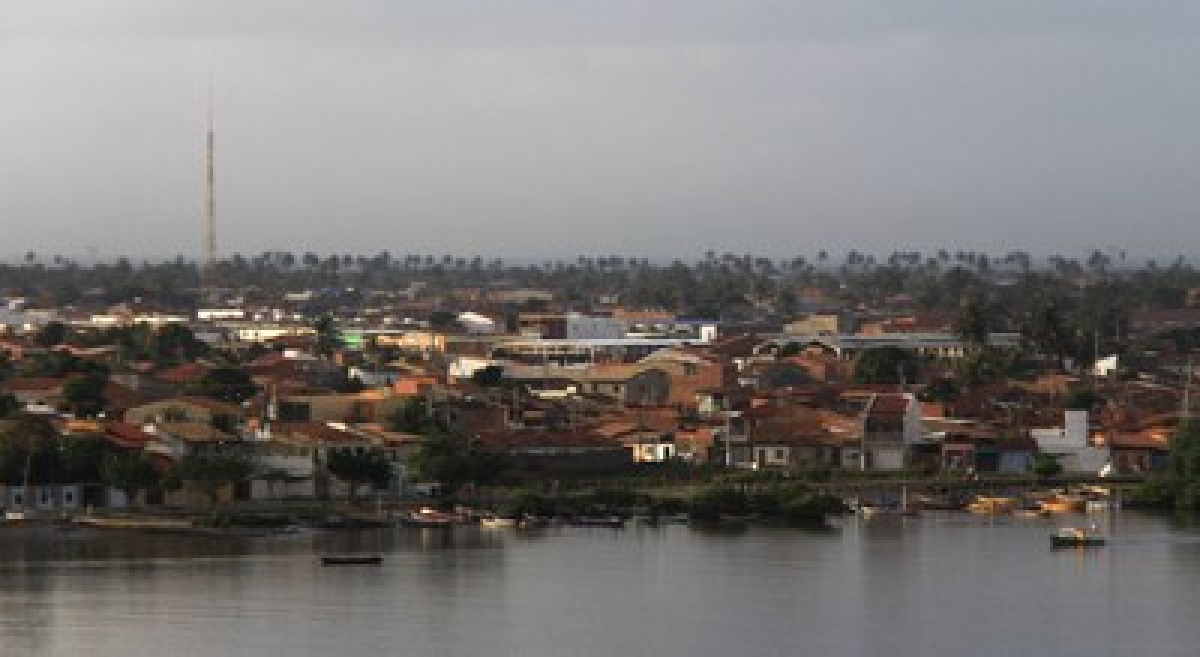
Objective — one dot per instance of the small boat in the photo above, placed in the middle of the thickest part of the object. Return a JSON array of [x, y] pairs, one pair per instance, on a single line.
[[612, 522], [943, 502], [1062, 504], [533, 522], [351, 560], [869, 511], [497, 522], [1068, 537], [428, 517], [656, 519], [993, 505]]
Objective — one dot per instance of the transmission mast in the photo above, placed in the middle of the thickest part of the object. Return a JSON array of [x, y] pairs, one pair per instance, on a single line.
[[208, 267]]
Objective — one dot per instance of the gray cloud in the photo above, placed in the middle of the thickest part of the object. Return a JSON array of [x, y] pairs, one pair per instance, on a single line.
[[551, 128]]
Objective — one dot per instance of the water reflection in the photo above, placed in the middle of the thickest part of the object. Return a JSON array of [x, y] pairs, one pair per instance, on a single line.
[[935, 585]]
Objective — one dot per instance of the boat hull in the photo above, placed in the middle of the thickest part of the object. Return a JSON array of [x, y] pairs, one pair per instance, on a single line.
[[1059, 542], [351, 560]]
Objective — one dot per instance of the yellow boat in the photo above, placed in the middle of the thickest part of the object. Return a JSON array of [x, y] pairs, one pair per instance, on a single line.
[[1062, 504], [993, 505]]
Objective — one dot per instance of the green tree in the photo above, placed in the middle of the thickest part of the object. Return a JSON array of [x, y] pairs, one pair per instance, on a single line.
[[452, 461], [941, 389], [1046, 466], [887, 365], [975, 322], [50, 335], [176, 342], [29, 450], [57, 364], [359, 468], [1083, 398], [208, 473], [129, 472], [9, 405], [1049, 329], [80, 458], [1180, 485], [328, 336], [791, 349], [783, 375], [415, 415], [84, 394], [227, 384], [1185, 464]]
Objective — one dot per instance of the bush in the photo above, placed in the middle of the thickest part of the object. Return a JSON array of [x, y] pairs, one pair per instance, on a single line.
[[1046, 466], [1156, 492], [527, 502], [716, 501]]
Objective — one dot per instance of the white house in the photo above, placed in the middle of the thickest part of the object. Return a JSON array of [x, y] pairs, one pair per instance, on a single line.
[[891, 425], [1071, 445]]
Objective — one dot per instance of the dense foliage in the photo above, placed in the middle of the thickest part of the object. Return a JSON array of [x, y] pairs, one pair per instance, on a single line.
[[1179, 487], [358, 468], [1065, 305], [793, 503]]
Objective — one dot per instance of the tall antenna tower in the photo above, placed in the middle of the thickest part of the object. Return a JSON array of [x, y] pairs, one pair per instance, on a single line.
[[208, 267], [1187, 392]]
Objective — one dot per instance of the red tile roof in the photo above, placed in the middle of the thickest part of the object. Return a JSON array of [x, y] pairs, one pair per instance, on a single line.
[[185, 373], [211, 405], [32, 384], [120, 397], [889, 405], [316, 432], [129, 436]]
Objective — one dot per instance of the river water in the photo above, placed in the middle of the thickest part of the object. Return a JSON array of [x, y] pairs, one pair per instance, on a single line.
[[936, 585]]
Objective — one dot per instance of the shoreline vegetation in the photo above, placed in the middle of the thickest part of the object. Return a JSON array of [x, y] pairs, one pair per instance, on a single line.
[[733, 502]]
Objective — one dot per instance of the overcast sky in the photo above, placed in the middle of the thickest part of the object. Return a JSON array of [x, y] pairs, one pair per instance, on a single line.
[[632, 127]]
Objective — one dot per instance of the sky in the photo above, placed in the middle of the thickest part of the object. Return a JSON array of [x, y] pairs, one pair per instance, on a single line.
[[551, 128]]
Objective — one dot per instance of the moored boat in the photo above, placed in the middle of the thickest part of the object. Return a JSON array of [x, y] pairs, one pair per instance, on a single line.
[[351, 560], [883, 511], [1062, 504], [993, 505], [612, 522], [1068, 537], [427, 517], [497, 522]]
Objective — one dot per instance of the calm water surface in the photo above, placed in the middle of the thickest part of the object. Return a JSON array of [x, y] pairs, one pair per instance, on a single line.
[[931, 586]]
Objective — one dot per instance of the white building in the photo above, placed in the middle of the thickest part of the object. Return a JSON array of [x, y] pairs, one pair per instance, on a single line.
[[477, 324], [1070, 444], [218, 314], [586, 327]]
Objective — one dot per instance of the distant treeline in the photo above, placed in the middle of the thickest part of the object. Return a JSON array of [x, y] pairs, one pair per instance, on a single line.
[[716, 285]]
